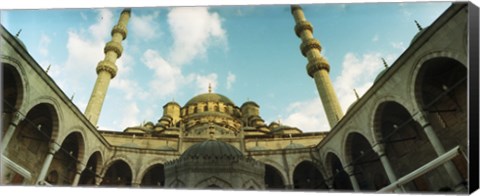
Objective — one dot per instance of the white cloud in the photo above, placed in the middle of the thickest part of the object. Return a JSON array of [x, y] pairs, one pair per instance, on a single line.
[[168, 77], [230, 80], [204, 81], [145, 26], [308, 116], [398, 45], [44, 44], [357, 73], [101, 30], [130, 115], [193, 30]]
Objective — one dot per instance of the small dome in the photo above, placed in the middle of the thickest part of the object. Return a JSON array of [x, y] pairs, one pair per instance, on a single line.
[[250, 103], [172, 103], [212, 149], [380, 74], [417, 35], [209, 97]]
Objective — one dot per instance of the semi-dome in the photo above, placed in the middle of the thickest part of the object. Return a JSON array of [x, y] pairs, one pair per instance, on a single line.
[[209, 97], [212, 149]]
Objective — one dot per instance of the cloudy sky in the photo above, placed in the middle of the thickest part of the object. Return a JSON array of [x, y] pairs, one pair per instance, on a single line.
[[246, 52]]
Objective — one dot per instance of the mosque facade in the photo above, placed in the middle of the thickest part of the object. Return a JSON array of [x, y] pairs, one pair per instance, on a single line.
[[411, 122]]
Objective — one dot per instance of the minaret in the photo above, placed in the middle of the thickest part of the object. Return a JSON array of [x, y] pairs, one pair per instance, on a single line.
[[106, 69], [317, 67]]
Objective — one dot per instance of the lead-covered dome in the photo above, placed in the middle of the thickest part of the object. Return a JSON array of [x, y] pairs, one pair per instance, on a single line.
[[210, 97], [212, 149]]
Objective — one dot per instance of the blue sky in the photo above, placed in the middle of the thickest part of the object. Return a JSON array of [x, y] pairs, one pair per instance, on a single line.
[[246, 52]]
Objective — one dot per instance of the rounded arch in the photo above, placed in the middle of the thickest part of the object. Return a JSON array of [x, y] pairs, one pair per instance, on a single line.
[[277, 167], [340, 178], [144, 168], [367, 167], [327, 158], [352, 138], [118, 173], [440, 91], [123, 158], [307, 175], [216, 181], [13, 94], [92, 169], [273, 178], [420, 62], [80, 140], [32, 137], [54, 110], [154, 176], [67, 159]]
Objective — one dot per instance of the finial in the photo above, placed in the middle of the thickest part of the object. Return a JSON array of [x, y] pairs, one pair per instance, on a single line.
[[209, 87], [384, 63], [356, 94], [418, 26], [48, 68], [18, 33], [71, 98]]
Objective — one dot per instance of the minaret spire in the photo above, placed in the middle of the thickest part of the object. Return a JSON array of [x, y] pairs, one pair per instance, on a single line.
[[420, 28], [106, 69], [209, 87], [317, 67]]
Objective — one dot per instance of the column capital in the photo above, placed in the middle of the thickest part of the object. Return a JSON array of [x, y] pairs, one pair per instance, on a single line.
[[53, 147], [349, 169], [379, 149], [421, 119]]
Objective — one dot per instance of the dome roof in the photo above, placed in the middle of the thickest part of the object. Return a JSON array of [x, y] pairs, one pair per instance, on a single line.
[[380, 74], [212, 149], [209, 97]]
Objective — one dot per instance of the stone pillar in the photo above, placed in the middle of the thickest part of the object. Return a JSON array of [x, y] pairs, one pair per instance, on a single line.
[[349, 169], [80, 168], [10, 130], [98, 180], [380, 150], [48, 160], [318, 68], [329, 183], [457, 180], [106, 69], [136, 184]]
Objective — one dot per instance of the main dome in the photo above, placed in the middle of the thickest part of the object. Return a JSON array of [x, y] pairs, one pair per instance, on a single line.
[[209, 97]]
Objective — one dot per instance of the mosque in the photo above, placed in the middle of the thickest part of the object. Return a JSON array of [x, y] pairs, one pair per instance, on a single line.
[[407, 133]]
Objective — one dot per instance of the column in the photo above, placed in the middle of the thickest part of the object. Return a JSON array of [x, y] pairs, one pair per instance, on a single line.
[[98, 180], [380, 150], [48, 160], [457, 180], [136, 184], [10, 130], [329, 183], [349, 169], [80, 167]]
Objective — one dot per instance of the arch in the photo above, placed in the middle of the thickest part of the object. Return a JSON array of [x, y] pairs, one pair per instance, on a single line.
[[440, 91], [349, 140], [12, 94], [154, 176], [306, 175], [365, 162], [340, 178], [213, 181], [251, 184], [273, 178], [87, 177], [118, 173], [80, 137], [32, 137], [403, 139], [143, 169], [54, 110], [67, 159], [276, 166]]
